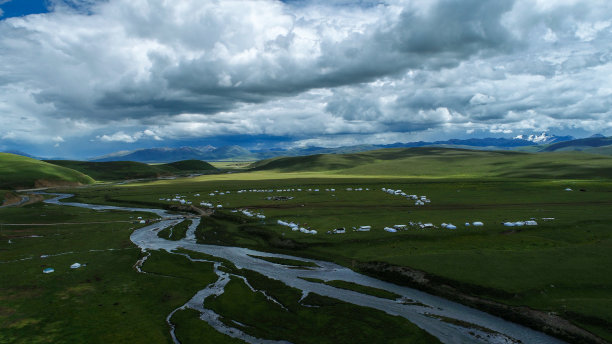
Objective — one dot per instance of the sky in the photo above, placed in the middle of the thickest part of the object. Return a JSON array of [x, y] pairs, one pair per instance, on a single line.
[[81, 78]]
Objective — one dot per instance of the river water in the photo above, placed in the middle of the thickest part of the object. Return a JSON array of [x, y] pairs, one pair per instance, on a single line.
[[422, 310]]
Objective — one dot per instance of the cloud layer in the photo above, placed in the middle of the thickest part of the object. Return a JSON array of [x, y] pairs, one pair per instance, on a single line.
[[137, 70]]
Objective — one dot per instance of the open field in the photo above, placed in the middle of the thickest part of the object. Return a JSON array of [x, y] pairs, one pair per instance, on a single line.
[[560, 266], [104, 301], [107, 300]]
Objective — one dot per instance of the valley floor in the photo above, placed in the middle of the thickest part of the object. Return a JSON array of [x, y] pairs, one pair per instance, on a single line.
[[561, 267]]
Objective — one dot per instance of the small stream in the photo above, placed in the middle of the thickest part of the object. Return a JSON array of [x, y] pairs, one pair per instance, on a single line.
[[422, 310]]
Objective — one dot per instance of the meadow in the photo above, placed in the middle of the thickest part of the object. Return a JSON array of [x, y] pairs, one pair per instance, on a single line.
[[107, 300], [561, 267]]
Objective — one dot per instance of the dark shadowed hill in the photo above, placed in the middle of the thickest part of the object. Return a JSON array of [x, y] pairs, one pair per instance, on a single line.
[[189, 166], [123, 170]]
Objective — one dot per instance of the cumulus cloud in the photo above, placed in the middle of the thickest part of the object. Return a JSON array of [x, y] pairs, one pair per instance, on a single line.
[[311, 70], [121, 136]]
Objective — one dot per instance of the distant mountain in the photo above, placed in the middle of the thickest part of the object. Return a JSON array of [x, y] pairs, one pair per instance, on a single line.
[[236, 153], [177, 154]]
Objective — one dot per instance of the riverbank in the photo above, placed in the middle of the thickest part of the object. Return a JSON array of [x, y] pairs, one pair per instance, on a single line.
[[546, 322]]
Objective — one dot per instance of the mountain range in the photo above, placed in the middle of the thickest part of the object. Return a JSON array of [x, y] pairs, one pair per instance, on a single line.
[[237, 153], [543, 142]]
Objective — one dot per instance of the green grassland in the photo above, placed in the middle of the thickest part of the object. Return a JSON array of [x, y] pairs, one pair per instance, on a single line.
[[562, 265], [106, 300], [23, 172], [122, 170], [331, 321], [176, 232], [432, 162]]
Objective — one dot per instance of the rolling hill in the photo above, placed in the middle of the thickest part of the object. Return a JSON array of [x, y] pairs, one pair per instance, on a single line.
[[22, 172], [123, 170], [579, 144], [448, 162]]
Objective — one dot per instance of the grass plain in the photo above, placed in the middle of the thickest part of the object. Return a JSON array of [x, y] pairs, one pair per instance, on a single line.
[[563, 265]]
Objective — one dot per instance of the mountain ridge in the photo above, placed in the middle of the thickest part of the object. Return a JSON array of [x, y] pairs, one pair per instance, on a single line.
[[235, 152]]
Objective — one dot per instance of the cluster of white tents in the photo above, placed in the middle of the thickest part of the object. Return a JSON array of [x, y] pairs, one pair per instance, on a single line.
[[210, 205], [428, 225], [342, 230], [218, 193], [419, 200], [177, 198], [520, 223], [207, 204], [252, 214], [221, 193], [295, 227]]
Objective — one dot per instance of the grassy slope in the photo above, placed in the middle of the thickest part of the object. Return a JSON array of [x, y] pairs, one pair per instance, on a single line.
[[605, 150], [440, 162], [122, 170], [18, 171]]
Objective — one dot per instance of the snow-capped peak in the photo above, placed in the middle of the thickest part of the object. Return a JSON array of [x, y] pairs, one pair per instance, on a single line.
[[542, 138]]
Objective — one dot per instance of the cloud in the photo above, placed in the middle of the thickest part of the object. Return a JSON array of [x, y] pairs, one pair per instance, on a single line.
[[173, 70]]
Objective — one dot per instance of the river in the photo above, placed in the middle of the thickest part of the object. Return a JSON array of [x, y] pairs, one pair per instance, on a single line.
[[423, 310]]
